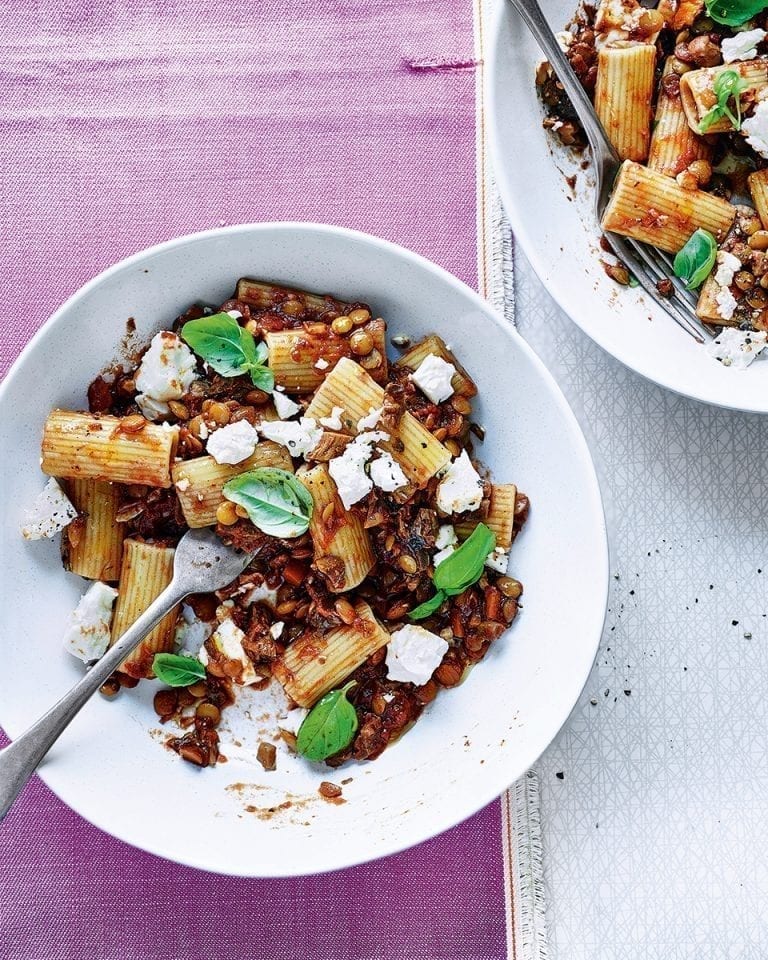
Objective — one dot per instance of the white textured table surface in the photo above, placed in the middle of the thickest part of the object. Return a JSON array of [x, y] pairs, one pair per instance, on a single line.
[[655, 799]]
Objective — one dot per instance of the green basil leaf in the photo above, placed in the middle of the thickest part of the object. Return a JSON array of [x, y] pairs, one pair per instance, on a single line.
[[728, 85], [695, 260], [329, 726], [277, 503], [428, 607], [177, 671], [229, 348], [465, 565], [733, 13]]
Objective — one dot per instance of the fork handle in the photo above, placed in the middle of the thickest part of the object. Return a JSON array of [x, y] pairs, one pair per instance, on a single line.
[[19, 760], [536, 22]]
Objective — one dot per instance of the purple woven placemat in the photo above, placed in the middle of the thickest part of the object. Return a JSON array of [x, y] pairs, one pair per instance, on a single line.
[[129, 122]]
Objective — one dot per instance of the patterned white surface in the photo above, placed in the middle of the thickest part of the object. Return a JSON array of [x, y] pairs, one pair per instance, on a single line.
[[655, 837]]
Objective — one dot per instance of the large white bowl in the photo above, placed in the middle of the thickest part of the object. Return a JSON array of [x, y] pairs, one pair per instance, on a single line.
[[558, 230], [472, 742]]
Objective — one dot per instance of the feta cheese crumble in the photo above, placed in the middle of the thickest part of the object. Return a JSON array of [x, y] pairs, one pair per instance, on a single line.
[[460, 488], [228, 640], [191, 632], [743, 46], [51, 511], [300, 436], [276, 630], [433, 377], [88, 633], [369, 421], [166, 372], [445, 542], [286, 408], [233, 443], [386, 473], [727, 265], [756, 129], [321, 364], [348, 469], [413, 654], [334, 421], [737, 348], [726, 303], [498, 560]]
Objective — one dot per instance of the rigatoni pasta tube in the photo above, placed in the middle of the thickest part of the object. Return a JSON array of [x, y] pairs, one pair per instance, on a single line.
[[315, 664], [501, 516], [758, 187], [83, 446], [674, 146], [92, 545], [652, 208], [698, 96], [623, 94], [343, 551], [263, 295], [435, 346], [301, 358], [348, 386], [146, 571], [199, 482]]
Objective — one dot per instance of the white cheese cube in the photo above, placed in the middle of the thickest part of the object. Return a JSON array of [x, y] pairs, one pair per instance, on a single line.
[[51, 511], [88, 633]]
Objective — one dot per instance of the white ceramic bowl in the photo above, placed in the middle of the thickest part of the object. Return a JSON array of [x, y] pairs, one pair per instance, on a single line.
[[471, 743], [558, 230]]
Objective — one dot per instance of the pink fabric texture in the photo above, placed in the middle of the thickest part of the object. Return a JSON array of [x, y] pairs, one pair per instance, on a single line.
[[127, 122]]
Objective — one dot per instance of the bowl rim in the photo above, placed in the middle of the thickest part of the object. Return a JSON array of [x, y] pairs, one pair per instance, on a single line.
[[593, 498], [537, 257]]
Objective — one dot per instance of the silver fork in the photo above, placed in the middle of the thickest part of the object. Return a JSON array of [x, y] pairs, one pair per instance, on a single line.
[[646, 263], [202, 563]]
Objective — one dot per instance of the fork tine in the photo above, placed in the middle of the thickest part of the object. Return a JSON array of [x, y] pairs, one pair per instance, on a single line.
[[630, 255]]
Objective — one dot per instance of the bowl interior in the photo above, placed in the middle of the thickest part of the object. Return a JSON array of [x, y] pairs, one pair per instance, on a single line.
[[556, 224], [111, 766]]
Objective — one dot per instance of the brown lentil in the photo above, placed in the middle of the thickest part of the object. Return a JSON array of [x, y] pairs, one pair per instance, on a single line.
[[179, 410], [226, 513], [359, 316], [257, 397], [209, 712], [198, 689], [219, 413], [510, 587], [134, 423], [361, 343], [407, 563], [329, 790], [165, 702], [345, 610], [342, 325], [758, 240], [461, 405]]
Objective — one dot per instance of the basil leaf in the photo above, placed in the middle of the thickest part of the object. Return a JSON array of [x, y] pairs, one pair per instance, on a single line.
[[728, 85], [428, 607], [229, 348], [329, 726], [695, 261], [465, 565], [277, 503], [733, 13], [177, 671]]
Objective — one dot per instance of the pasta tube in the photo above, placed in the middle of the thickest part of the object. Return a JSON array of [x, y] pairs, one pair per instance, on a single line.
[[652, 208], [146, 571], [199, 482], [262, 295], [433, 345], [758, 187], [501, 516], [623, 94], [349, 386], [343, 551], [93, 544], [89, 447], [674, 145], [301, 358], [698, 96], [313, 664]]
